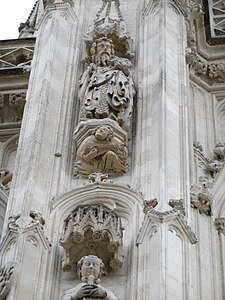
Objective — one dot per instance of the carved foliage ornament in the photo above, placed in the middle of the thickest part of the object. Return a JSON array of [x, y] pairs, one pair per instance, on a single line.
[[212, 73], [92, 229]]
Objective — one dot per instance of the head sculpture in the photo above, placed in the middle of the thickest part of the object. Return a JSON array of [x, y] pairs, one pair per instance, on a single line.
[[103, 133], [102, 50], [90, 265]]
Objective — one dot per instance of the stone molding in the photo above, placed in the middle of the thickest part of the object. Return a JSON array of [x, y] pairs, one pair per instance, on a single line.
[[59, 9], [18, 55], [172, 218], [91, 192], [18, 226]]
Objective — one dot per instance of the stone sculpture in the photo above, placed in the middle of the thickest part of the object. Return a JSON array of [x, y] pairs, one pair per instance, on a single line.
[[94, 228], [201, 197], [89, 270], [101, 152], [219, 151], [106, 87]]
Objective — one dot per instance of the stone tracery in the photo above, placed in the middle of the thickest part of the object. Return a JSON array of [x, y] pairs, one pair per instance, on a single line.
[[92, 229]]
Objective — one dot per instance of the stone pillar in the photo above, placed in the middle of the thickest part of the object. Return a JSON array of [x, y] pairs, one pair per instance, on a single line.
[[163, 153], [45, 147], [162, 158]]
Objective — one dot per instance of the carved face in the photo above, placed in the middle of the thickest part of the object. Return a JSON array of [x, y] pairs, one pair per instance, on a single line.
[[104, 52], [104, 47], [102, 133], [91, 266]]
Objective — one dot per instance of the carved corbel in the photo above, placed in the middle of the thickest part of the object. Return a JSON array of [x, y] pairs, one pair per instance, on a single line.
[[101, 148], [92, 229]]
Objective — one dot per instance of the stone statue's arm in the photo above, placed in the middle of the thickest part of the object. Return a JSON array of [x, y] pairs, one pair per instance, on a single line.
[[110, 296], [89, 291], [84, 81], [98, 292], [122, 150], [91, 154], [122, 64]]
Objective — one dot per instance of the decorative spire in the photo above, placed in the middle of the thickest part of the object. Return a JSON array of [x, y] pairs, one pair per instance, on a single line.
[[110, 11], [110, 23]]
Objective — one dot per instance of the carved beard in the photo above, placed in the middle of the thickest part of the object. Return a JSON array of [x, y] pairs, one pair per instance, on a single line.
[[103, 58]]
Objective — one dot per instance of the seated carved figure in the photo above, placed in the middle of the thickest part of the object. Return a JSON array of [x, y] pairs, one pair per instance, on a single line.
[[101, 152], [89, 270]]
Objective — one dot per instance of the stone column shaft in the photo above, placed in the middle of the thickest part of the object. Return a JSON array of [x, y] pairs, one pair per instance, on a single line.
[[163, 120], [164, 258], [44, 149]]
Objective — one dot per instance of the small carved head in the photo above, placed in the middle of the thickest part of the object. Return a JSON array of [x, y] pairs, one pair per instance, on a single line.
[[90, 265], [103, 133], [102, 50]]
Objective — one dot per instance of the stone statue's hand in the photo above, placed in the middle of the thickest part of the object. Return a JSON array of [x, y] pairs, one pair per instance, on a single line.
[[98, 292], [92, 68], [84, 291], [92, 154]]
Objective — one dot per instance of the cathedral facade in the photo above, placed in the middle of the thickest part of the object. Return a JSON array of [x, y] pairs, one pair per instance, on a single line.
[[112, 152]]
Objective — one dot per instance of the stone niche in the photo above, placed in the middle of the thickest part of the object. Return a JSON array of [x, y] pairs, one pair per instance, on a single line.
[[92, 229], [97, 151]]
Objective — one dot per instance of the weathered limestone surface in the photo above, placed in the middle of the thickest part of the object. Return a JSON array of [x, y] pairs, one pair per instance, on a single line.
[[120, 157]]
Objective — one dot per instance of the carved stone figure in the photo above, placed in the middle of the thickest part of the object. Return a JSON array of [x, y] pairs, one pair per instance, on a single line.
[[89, 270], [101, 152], [201, 197], [213, 167], [219, 151], [106, 87]]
